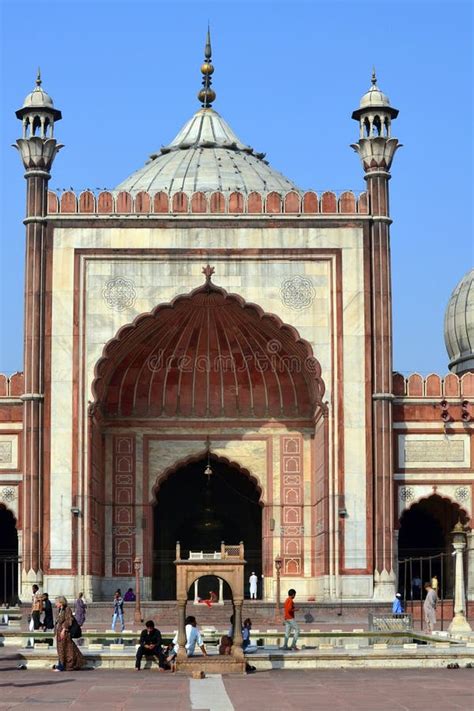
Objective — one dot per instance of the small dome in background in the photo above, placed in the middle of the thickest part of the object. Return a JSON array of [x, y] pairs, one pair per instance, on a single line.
[[459, 326]]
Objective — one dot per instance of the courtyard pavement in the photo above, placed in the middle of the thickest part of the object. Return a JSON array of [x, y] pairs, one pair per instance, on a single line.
[[371, 690]]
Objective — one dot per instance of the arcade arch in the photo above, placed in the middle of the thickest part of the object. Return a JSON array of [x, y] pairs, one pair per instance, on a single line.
[[424, 538], [8, 556], [200, 511]]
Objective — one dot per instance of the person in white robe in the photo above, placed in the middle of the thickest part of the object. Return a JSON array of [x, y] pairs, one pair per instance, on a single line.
[[253, 581]]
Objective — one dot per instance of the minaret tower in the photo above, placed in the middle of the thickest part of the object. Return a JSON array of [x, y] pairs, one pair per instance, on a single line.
[[376, 149], [37, 149]]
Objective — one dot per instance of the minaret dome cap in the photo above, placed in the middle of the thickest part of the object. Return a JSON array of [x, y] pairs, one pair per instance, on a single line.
[[374, 99], [38, 99]]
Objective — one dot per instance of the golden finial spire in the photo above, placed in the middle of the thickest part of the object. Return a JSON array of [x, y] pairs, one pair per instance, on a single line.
[[207, 95], [38, 77]]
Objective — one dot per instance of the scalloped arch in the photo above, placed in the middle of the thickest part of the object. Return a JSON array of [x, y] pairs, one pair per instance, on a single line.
[[208, 353], [441, 495]]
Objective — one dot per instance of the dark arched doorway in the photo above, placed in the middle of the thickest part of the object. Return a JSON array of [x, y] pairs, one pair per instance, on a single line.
[[8, 557], [424, 542], [201, 511]]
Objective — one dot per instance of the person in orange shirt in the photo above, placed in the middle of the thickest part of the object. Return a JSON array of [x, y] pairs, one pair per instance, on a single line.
[[291, 627]]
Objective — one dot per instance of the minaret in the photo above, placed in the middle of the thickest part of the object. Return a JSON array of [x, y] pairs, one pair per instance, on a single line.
[[376, 149], [37, 149]]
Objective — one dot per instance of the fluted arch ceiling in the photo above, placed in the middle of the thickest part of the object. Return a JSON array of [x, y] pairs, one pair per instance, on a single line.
[[208, 354]]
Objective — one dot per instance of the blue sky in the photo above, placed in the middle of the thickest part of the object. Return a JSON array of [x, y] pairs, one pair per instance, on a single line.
[[288, 76]]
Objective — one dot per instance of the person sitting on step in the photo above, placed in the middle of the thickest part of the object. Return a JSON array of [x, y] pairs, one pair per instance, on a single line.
[[193, 637], [150, 645]]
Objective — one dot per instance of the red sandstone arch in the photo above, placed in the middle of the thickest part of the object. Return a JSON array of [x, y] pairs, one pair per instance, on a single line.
[[208, 354], [198, 457]]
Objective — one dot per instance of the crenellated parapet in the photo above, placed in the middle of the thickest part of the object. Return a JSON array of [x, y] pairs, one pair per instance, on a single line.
[[214, 203], [433, 385], [12, 385]]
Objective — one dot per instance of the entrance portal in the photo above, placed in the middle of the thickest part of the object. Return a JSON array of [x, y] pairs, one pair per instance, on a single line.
[[8, 557], [200, 511], [424, 541]]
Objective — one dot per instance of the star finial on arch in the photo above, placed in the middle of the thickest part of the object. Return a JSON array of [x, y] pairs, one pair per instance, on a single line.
[[208, 271]]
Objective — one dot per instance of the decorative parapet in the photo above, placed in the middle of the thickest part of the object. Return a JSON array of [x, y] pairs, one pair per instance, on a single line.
[[12, 386], [433, 386], [216, 203]]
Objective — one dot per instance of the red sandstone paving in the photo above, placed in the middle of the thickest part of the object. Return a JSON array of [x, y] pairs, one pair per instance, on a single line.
[[371, 690], [376, 689]]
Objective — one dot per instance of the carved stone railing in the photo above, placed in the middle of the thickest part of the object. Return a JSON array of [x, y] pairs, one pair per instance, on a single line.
[[226, 552]]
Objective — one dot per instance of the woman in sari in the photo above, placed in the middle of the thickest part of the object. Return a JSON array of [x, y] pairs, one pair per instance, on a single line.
[[69, 656]]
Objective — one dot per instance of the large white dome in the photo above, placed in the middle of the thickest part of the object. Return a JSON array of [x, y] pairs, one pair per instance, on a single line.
[[206, 155], [459, 326]]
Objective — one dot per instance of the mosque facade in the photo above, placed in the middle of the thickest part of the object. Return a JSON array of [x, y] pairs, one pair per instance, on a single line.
[[207, 358]]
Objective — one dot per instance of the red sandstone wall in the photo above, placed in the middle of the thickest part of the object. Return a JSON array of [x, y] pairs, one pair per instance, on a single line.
[[321, 508]]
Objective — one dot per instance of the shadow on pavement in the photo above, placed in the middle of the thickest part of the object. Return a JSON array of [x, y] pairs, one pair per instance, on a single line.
[[19, 685]]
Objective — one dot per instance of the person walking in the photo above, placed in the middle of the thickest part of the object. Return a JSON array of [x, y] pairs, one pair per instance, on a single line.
[[429, 608], [150, 645], [291, 627], [69, 655], [118, 610], [397, 607], [48, 621], [80, 608], [253, 582]]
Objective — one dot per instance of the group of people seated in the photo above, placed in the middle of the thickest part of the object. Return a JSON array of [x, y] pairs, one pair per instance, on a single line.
[[151, 644]]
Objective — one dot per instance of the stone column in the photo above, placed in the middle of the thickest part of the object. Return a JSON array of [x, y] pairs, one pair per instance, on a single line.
[[221, 591], [381, 297], [470, 565], [181, 629], [33, 397], [237, 650], [459, 623]]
